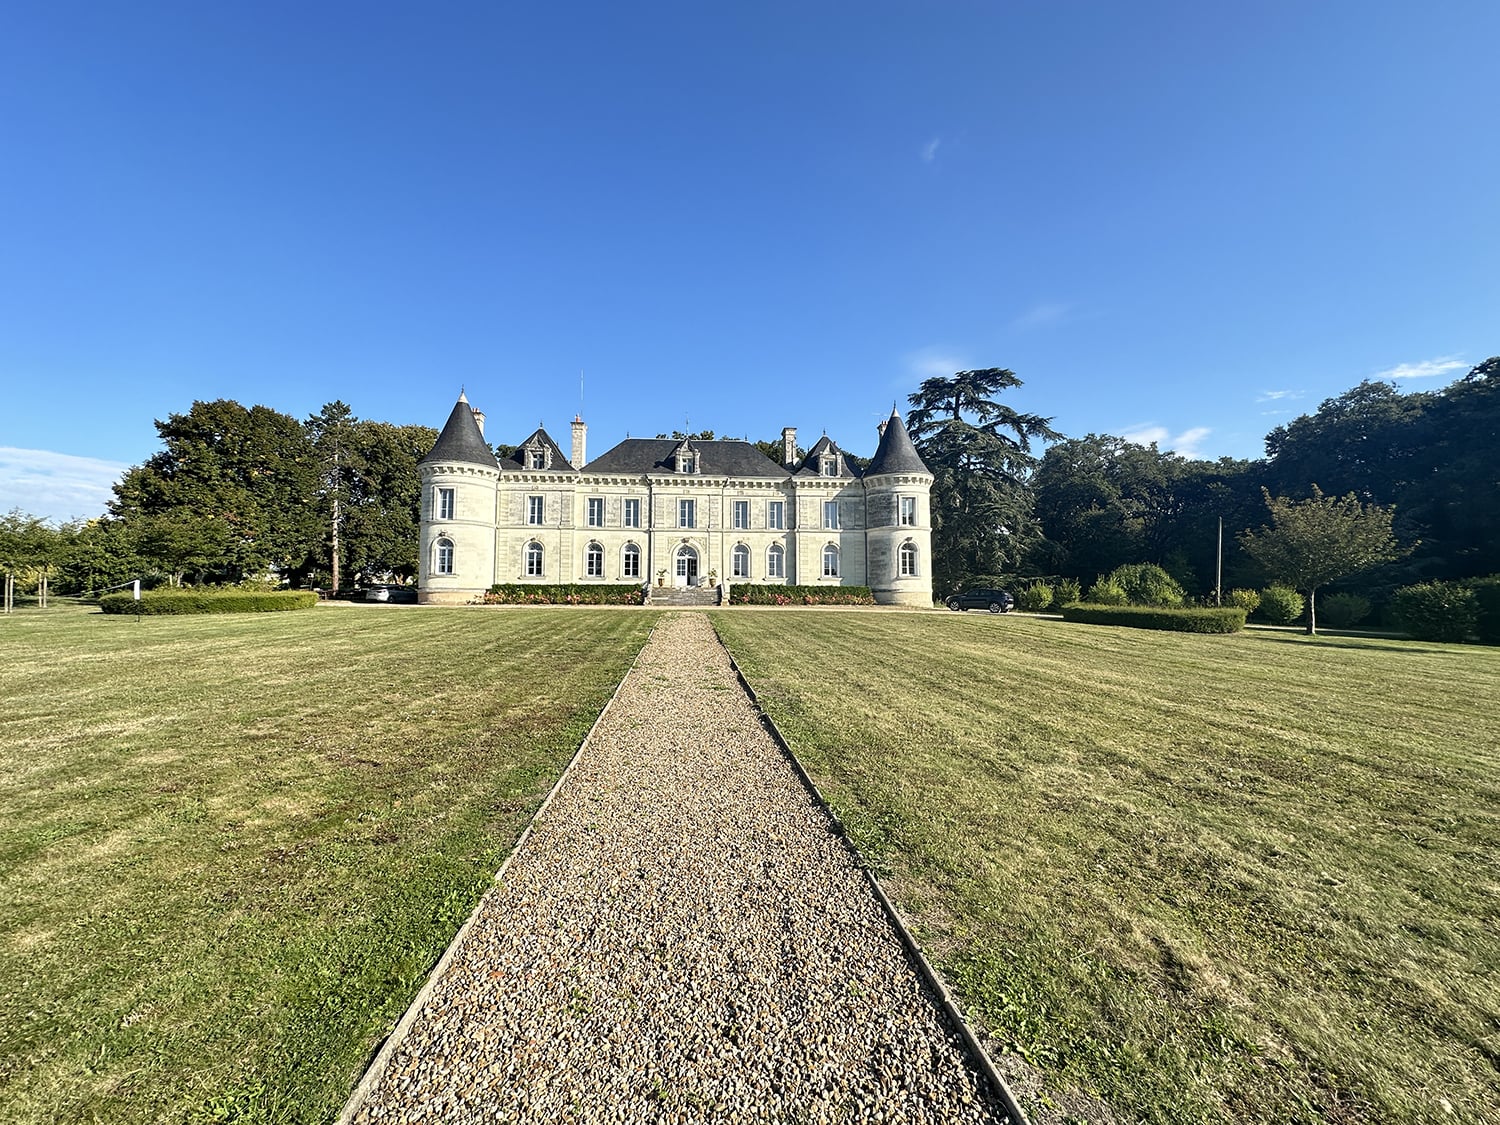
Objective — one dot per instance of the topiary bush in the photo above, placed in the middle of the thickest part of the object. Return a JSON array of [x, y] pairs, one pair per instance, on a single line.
[[1340, 611], [518, 593], [1034, 598], [1281, 605], [1147, 584], [1223, 619], [801, 595], [1106, 591], [1248, 600], [208, 600], [1487, 597], [1436, 611], [1065, 591]]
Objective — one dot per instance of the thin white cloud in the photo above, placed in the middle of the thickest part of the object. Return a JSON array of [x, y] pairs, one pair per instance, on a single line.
[[1426, 369], [1188, 443], [935, 362], [930, 150], [55, 486], [1277, 396], [1043, 314]]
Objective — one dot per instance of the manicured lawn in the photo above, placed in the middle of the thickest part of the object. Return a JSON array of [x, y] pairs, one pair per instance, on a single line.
[[1249, 878], [232, 847]]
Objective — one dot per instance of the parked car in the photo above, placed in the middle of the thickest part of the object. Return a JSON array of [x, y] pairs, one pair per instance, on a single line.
[[996, 601], [378, 594]]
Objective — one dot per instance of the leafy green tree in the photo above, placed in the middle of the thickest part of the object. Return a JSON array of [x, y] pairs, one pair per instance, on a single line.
[[979, 451], [1312, 542], [248, 476], [381, 529], [329, 430]]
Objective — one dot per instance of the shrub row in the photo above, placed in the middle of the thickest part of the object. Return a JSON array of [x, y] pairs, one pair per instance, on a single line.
[[516, 593], [1225, 619], [208, 600], [801, 595]]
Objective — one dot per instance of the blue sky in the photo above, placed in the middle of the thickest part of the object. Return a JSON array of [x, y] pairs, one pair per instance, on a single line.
[[1184, 222]]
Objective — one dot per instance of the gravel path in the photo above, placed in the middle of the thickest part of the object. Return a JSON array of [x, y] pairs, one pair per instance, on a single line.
[[681, 939]]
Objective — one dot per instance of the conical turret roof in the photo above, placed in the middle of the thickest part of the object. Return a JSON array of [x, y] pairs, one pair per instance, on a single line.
[[461, 439], [896, 453]]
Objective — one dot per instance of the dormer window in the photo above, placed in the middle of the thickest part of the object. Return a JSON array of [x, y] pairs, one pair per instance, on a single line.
[[687, 461], [829, 465], [536, 457]]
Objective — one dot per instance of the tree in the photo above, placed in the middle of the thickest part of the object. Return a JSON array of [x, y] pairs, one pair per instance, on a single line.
[[981, 505], [329, 432], [1312, 542], [249, 476]]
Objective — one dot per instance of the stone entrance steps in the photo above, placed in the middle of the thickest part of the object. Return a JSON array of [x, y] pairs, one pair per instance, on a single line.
[[683, 596]]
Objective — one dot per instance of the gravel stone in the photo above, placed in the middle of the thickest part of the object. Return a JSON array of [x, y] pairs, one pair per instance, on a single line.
[[683, 938]]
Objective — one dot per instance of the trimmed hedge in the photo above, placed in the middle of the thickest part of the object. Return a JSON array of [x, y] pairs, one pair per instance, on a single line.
[[800, 595], [1487, 594], [518, 593], [1225, 619], [179, 601], [1436, 611]]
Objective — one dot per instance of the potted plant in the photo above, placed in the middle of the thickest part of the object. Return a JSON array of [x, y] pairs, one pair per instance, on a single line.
[[661, 577]]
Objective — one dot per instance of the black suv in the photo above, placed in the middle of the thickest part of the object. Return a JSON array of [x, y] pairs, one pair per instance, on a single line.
[[996, 601]]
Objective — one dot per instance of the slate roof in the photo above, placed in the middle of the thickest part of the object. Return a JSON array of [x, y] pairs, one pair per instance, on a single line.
[[811, 466], [461, 439], [896, 453], [715, 458], [559, 463]]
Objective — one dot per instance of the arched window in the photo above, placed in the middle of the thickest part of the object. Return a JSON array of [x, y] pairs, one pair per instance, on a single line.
[[630, 561], [908, 560], [775, 561], [445, 556], [739, 561], [533, 560], [593, 561], [830, 561]]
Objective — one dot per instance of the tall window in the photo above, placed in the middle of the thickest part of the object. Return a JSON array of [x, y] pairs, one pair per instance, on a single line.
[[741, 514], [830, 561], [776, 515], [445, 556], [908, 511], [534, 510], [630, 561], [533, 559], [632, 513], [687, 513], [739, 564], [596, 511], [908, 558], [593, 561], [537, 458], [831, 514], [445, 503], [775, 562]]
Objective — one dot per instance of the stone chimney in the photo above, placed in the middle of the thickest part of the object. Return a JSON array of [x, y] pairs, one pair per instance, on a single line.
[[580, 441], [789, 446], [478, 419], [881, 427]]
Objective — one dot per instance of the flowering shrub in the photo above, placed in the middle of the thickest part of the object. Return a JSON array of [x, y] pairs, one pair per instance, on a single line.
[[801, 595], [516, 593]]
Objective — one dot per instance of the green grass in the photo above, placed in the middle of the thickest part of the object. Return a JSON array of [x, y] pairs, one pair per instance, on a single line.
[[232, 847], [1209, 879]]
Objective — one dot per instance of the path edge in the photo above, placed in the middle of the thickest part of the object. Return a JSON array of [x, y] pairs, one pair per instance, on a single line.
[[978, 1055], [376, 1070]]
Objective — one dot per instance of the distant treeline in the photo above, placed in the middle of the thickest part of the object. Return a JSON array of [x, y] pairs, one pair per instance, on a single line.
[[247, 493]]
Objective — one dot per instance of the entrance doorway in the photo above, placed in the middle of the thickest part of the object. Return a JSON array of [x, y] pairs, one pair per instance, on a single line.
[[687, 566]]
